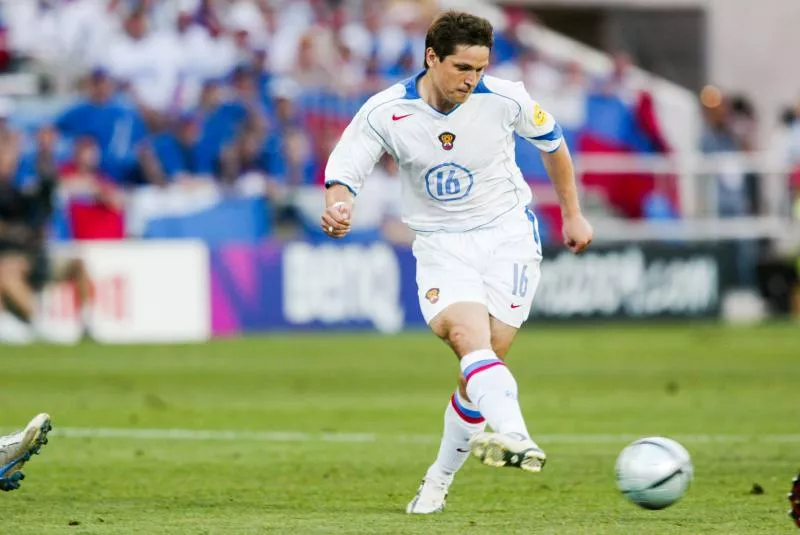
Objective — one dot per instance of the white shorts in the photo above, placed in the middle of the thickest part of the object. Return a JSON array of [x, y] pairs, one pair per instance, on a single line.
[[498, 266]]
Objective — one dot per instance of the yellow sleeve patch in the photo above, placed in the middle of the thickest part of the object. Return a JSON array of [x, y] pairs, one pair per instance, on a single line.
[[539, 116]]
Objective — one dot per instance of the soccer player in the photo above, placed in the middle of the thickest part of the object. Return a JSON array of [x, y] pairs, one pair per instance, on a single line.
[[17, 448], [451, 128]]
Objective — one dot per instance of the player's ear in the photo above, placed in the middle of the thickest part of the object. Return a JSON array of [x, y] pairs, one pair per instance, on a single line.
[[430, 57]]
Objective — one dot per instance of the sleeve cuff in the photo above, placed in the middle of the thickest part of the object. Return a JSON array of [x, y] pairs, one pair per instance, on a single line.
[[329, 183]]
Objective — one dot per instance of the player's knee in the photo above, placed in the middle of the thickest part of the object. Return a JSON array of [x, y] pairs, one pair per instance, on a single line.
[[463, 339]]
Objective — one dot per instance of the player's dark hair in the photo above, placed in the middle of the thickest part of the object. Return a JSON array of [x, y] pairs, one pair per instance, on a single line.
[[453, 28]]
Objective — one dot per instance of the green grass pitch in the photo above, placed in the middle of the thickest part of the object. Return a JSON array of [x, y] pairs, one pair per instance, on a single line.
[[330, 434]]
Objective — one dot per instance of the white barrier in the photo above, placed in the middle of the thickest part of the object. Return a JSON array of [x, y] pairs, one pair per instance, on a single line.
[[143, 292]]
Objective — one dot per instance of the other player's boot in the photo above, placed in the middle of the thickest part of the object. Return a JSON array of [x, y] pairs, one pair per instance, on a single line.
[[508, 449], [16, 449], [431, 497]]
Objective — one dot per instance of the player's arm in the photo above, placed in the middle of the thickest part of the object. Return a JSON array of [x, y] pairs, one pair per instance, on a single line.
[[540, 128], [577, 231], [352, 159]]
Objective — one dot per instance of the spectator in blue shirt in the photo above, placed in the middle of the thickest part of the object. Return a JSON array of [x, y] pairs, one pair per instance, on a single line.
[[115, 127], [181, 154]]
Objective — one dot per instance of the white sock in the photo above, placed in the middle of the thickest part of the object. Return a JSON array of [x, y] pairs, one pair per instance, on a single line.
[[462, 421], [493, 389]]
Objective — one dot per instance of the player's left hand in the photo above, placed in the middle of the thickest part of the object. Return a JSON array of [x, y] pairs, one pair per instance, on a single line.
[[578, 233]]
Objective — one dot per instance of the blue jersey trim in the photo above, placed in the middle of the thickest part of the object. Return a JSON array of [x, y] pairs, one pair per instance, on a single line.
[[535, 224], [329, 183], [411, 86], [482, 89], [556, 133]]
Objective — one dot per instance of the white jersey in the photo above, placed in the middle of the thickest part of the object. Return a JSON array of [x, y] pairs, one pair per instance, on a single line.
[[457, 169]]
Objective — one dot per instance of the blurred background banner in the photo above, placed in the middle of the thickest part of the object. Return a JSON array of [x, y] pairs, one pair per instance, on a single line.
[[275, 287], [143, 292], [313, 287], [636, 282]]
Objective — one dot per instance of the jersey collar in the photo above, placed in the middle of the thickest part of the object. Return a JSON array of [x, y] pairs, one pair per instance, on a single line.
[[412, 93]]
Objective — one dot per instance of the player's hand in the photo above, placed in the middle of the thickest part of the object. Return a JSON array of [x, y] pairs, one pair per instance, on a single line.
[[578, 233], [336, 219]]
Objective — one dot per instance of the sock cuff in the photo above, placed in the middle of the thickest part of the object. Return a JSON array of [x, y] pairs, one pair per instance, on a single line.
[[471, 416], [479, 361], [464, 402], [481, 354]]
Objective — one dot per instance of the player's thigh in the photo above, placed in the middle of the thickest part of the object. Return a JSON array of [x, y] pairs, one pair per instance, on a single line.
[[451, 292], [511, 281], [445, 276]]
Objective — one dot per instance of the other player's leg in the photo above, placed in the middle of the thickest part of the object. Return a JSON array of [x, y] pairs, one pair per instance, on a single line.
[[18, 447]]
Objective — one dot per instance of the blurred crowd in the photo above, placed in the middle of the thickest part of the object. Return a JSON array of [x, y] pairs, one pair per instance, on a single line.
[[731, 125], [184, 103]]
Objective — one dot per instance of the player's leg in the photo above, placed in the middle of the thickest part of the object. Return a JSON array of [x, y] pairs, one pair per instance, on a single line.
[[12, 329], [17, 448], [502, 336], [462, 419], [462, 422], [14, 269], [506, 449], [491, 386], [73, 270], [489, 383], [447, 281], [511, 282]]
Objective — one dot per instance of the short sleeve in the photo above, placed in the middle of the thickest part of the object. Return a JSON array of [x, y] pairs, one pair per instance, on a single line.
[[536, 125], [355, 154]]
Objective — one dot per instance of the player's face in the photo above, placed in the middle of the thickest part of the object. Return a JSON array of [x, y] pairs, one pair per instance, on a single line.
[[456, 76]]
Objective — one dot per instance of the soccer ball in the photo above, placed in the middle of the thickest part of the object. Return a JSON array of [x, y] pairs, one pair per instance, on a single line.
[[654, 472]]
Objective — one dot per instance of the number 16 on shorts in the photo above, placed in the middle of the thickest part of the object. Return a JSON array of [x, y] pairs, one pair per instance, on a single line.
[[520, 283]]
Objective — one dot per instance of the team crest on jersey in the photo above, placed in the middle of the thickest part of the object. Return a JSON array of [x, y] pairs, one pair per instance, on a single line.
[[447, 139], [432, 295], [539, 116]]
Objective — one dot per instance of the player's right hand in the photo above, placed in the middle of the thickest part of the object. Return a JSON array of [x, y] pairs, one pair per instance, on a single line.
[[336, 219]]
